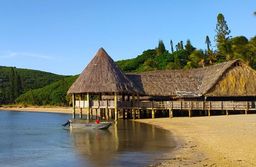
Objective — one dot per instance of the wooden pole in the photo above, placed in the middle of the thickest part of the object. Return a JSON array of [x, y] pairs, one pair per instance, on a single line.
[[153, 113], [247, 108], [81, 110], [170, 113], [138, 114], [189, 113], [74, 105], [107, 111], [115, 103], [88, 106], [209, 109], [133, 113]]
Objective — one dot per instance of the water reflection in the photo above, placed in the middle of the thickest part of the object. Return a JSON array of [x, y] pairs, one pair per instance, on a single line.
[[118, 145]]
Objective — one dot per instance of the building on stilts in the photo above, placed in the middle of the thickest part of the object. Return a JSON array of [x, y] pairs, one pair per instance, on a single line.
[[103, 90]]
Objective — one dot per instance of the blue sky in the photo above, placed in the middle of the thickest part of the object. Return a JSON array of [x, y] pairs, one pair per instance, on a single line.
[[62, 36]]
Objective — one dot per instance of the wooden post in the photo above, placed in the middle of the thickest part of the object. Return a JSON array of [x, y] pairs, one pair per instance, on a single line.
[[133, 113], [138, 113], [88, 107], [107, 111], [74, 105], [153, 113], [81, 110], [170, 113], [209, 110], [189, 113], [190, 110], [227, 112], [247, 108], [115, 104]]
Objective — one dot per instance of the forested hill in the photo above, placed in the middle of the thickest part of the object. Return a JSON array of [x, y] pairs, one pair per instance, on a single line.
[[186, 56], [15, 81]]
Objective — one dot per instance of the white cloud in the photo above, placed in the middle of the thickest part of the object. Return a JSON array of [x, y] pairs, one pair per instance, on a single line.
[[12, 54]]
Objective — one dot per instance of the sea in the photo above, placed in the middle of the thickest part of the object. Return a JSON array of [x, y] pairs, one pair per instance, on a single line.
[[34, 139]]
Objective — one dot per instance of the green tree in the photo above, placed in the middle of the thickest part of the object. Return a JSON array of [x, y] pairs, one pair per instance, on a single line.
[[171, 43], [222, 37], [161, 48], [208, 43], [196, 59], [189, 47]]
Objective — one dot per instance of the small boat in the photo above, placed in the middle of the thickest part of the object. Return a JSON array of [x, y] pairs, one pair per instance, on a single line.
[[80, 124]]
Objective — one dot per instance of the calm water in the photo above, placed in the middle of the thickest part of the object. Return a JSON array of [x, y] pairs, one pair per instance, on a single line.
[[37, 139]]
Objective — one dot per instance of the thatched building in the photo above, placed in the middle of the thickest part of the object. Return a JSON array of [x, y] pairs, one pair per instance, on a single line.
[[102, 85]]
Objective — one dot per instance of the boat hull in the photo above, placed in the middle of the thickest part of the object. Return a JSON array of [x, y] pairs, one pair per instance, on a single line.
[[87, 125]]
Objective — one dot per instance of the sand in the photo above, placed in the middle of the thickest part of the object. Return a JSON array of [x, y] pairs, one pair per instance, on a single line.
[[210, 141], [50, 109]]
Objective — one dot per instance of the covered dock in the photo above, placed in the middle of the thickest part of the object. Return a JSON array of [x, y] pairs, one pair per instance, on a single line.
[[103, 90]]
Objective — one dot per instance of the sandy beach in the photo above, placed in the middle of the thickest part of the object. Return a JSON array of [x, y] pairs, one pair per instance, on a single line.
[[50, 109], [210, 141]]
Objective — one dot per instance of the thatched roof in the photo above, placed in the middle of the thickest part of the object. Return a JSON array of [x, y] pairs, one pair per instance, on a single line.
[[182, 83], [102, 76]]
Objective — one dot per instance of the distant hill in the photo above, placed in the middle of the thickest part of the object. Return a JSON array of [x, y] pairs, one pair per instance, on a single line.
[[52, 94], [16, 81]]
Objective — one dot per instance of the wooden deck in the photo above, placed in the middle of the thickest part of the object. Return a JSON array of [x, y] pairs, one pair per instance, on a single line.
[[171, 105]]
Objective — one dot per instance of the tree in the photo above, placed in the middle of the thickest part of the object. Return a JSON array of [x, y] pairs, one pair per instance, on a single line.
[[179, 46], [171, 43], [189, 47], [161, 48], [208, 43], [222, 37]]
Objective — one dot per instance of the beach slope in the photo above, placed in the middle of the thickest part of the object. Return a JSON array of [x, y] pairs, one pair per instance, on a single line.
[[210, 141]]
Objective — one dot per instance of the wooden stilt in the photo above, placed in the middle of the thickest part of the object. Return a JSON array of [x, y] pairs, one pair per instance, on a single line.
[[189, 113], [133, 114], [107, 112], [247, 108], [209, 109], [80, 107], [115, 104], [88, 106], [81, 113], [153, 113], [74, 105], [226, 112], [138, 114], [170, 113]]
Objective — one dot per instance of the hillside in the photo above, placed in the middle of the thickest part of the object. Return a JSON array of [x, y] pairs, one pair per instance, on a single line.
[[186, 56], [16, 81], [52, 94]]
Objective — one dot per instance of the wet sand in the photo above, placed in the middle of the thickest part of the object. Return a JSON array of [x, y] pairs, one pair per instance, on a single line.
[[210, 141], [49, 109]]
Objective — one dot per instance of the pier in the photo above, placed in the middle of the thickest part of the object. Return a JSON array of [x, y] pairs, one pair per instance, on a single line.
[[103, 91]]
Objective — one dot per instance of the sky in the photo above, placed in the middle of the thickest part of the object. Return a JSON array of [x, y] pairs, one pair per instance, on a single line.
[[62, 36]]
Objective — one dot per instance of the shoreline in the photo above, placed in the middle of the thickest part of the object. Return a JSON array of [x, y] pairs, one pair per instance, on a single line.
[[48, 109], [209, 141]]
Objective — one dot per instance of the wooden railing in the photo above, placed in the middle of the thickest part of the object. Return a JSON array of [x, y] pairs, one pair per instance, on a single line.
[[177, 105]]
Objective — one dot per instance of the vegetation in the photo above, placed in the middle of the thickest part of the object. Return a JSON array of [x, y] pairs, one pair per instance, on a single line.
[[15, 81], [40, 88], [53, 94], [188, 56]]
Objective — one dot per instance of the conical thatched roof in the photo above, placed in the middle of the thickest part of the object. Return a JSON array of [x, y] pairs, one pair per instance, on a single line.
[[102, 76], [184, 83]]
